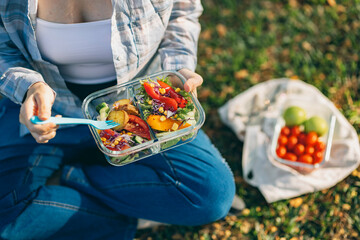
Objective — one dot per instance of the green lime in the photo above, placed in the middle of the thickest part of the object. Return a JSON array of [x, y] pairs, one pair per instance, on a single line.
[[316, 124], [294, 116]]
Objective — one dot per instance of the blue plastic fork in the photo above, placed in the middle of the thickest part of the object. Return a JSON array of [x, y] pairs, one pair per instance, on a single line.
[[102, 125]]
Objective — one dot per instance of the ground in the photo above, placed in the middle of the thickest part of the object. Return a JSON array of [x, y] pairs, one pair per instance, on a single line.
[[243, 43]]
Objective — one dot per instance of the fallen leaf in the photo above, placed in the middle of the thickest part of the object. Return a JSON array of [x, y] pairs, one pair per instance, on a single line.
[[249, 14], [245, 227], [221, 30], [273, 229], [346, 207], [243, 73], [306, 45], [295, 77], [246, 211], [293, 3], [206, 34], [177, 236], [296, 202], [204, 93], [331, 2]]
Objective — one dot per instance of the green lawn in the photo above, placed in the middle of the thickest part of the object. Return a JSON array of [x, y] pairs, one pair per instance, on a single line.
[[246, 42]]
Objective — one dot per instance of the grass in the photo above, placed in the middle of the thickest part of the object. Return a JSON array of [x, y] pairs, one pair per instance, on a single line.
[[247, 42]]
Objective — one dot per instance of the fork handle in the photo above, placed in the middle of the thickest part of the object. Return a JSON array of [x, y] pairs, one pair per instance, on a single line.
[[60, 120]]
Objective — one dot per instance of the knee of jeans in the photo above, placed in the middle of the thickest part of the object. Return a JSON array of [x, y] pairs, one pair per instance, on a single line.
[[215, 202]]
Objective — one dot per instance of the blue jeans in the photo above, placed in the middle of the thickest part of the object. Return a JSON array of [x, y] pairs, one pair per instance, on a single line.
[[188, 185]]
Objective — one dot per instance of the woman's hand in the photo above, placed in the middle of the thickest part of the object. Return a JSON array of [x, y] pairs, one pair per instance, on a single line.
[[39, 100], [193, 80]]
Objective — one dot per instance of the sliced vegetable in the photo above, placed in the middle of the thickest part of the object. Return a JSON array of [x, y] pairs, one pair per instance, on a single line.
[[121, 102], [165, 125], [103, 109], [138, 139], [169, 102], [120, 117], [151, 91], [107, 133], [138, 126], [181, 101], [164, 85], [130, 109], [119, 147]]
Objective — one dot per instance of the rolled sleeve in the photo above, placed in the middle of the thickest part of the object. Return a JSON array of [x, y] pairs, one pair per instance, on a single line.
[[16, 81], [179, 47], [16, 74]]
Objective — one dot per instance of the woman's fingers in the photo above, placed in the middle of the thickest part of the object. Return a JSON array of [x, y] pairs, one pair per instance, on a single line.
[[44, 106], [193, 80], [39, 101], [43, 138]]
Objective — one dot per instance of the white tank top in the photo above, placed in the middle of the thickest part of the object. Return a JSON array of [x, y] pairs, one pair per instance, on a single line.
[[81, 51]]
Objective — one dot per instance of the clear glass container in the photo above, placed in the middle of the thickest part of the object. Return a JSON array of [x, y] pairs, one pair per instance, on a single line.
[[158, 142], [312, 108]]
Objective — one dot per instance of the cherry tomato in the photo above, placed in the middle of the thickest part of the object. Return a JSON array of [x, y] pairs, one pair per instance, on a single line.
[[299, 149], [306, 158], [318, 156], [282, 140], [311, 138], [281, 151], [285, 131], [302, 138], [292, 141], [295, 131], [309, 150], [290, 156], [319, 146]]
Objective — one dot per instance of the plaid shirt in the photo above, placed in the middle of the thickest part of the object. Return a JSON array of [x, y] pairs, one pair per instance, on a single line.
[[140, 29]]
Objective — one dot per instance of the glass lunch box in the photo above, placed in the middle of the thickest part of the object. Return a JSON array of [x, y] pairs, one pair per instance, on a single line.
[[158, 142], [312, 109]]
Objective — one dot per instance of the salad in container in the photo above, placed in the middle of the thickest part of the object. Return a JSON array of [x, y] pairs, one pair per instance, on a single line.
[[154, 114]]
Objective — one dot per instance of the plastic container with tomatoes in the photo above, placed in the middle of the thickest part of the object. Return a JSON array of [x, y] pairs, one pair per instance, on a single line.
[[155, 142], [304, 152]]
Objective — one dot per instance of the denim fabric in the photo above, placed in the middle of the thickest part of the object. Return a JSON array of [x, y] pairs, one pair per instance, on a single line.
[[188, 185]]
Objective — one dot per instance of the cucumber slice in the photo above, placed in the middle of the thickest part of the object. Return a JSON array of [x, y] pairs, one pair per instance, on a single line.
[[138, 139], [103, 109], [100, 106]]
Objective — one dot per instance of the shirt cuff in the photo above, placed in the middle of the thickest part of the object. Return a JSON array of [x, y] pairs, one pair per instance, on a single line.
[[23, 83]]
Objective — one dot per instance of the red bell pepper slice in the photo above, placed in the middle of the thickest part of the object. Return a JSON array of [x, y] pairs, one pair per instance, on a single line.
[[150, 91], [181, 101], [169, 102], [165, 86]]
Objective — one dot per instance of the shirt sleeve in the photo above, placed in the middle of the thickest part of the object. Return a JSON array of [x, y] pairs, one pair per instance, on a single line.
[[179, 47], [16, 74]]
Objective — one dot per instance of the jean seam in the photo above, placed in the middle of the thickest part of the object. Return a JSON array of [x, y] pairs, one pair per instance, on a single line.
[[173, 169], [69, 173], [70, 207], [36, 163], [15, 198]]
